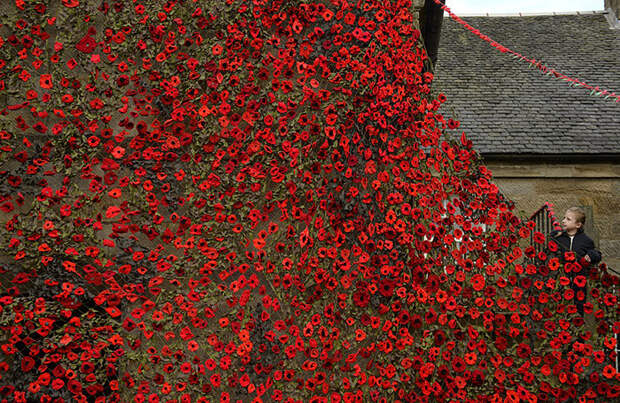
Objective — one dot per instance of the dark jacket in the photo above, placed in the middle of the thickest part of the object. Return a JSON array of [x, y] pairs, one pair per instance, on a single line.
[[582, 245]]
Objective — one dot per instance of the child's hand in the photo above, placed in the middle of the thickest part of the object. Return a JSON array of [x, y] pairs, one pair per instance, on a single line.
[[587, 258]]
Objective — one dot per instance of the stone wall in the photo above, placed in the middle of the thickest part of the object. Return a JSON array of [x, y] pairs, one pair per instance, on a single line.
[[595, 187]]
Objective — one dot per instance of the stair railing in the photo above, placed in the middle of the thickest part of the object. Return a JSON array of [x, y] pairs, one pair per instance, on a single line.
[[546, 222]]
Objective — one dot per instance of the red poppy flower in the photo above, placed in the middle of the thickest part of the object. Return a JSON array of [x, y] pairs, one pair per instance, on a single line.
[[118, 152], [361, 298], [27, 364], [477, 281], [609, 372], [45, 81], [70, 3], [86, 45]]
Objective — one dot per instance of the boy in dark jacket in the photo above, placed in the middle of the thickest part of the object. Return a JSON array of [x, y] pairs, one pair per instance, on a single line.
[[572, 238]]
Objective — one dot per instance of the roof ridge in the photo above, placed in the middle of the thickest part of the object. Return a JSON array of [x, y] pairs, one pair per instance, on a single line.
[[537, 14]]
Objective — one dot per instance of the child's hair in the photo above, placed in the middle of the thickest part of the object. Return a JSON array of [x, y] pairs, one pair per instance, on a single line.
[[580, 215]]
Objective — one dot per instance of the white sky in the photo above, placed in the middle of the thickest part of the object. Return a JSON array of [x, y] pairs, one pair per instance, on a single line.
[[521, 6]]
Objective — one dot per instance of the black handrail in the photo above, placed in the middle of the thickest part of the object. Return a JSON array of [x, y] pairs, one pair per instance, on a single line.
[[545, 222]]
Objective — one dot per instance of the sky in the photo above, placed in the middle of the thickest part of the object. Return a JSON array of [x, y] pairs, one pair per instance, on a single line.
[[521, 6]]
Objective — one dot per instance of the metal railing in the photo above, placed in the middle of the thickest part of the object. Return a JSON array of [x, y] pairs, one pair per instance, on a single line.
[[546, 221]]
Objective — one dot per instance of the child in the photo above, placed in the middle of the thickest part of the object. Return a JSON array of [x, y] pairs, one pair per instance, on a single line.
[[572, 238]]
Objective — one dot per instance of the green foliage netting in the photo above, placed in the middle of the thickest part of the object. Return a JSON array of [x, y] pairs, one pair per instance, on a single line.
[[259, 201]]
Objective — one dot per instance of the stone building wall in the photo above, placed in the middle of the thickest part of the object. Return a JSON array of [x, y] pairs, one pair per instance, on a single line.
[[596, 187]]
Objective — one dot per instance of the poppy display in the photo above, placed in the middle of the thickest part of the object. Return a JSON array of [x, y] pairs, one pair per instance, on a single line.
[[264, 201]]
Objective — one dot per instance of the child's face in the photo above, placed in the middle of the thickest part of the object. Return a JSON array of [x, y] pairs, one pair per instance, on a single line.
[[569, 222]]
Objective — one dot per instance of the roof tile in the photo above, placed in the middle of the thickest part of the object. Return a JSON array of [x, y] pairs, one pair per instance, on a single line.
[[506, 107]]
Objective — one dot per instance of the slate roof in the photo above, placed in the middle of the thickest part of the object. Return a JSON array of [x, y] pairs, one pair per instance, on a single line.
[[506, 107]]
